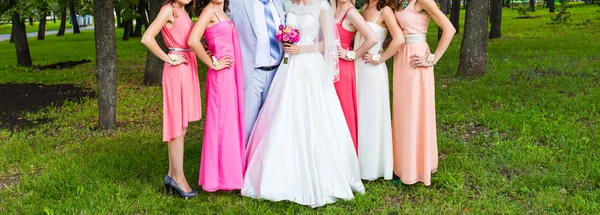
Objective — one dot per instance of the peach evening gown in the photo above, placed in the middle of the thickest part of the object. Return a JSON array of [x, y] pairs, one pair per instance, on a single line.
[[180, 84], [222, 163], [413, 122]]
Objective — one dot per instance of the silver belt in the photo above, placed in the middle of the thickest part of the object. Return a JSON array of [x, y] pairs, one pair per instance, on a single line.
[[179, 50], [416, 38]]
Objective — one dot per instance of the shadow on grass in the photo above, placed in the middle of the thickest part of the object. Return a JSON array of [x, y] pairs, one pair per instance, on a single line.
[[17, 99]]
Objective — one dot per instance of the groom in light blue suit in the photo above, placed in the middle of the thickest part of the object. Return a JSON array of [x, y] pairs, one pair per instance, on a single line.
[[257, 22]]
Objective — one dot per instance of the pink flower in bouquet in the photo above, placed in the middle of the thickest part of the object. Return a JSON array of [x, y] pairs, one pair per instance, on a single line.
[[287, 34], [279, 35], [286, 38], [293, 34]]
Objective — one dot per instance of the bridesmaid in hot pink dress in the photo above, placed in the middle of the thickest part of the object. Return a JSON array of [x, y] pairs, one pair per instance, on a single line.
[[413, 122], [180, 84], [346, 86], [222, 163]]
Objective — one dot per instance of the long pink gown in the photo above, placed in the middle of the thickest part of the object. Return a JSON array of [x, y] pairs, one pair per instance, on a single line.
[[180, 84], [346, 86], [413, 121], [222, 164]]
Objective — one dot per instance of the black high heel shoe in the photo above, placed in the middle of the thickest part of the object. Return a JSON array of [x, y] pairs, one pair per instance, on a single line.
[[168, 180], [182, 194]]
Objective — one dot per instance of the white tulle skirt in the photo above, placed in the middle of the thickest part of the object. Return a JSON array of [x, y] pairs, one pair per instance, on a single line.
[[300, 149]]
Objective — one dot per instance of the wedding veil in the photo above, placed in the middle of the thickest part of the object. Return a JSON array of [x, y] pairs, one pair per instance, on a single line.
[[328, 40]]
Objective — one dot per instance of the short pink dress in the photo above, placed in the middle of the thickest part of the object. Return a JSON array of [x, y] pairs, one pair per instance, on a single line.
[[180, 84]]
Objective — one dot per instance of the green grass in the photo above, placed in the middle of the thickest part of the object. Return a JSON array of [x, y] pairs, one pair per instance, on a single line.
[[50, 26], [521, 139]]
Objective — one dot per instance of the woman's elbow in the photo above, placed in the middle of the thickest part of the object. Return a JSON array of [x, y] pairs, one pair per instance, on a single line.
[[372, 41], [451, 31]]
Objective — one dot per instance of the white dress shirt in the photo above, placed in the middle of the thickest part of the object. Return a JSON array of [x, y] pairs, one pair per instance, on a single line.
[[263, 46]]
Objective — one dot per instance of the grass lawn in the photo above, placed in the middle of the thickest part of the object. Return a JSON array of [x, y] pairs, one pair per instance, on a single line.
[[50, 26], [524, 138]]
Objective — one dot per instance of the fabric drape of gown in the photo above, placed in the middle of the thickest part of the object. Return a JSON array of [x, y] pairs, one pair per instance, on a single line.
[[222, 163], [346, 86], [180, 84], [300, 149], [374, 115], [414, 129]]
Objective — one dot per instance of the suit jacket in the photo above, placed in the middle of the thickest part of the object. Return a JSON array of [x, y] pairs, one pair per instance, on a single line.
[[241, 12]]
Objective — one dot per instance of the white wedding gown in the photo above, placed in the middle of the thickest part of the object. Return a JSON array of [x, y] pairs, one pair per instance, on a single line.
[[300, 149]]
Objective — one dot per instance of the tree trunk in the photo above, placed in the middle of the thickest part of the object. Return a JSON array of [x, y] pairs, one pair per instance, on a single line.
[[551, 5], [507, 3], [42, 28], [63, 22], [119, 20], [31, 21], [106, 63], [141, 20], [444, 8], [496, 19], [127, 27], [74, 18], [473, 52], [12, 35], [54, 17], [455, 15], [154, 65], [21, 44], [531, 5]]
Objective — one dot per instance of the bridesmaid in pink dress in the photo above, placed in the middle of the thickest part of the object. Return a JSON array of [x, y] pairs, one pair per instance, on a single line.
[[222, 163], [413, 122], [180, 84], [346, 86]]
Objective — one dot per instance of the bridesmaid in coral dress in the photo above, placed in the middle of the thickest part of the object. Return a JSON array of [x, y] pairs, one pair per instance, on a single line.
[[350, 21], [414, 129], [180, 84], [222, 163]]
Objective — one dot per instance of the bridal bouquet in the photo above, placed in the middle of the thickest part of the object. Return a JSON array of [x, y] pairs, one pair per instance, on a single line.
[[287, 35]]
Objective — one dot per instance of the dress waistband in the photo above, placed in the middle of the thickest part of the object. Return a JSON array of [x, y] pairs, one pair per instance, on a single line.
[[416, 38], [179, 50]]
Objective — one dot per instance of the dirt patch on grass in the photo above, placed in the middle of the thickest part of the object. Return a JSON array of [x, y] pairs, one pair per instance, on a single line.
[[62, 65], [18, 99], [9, 181]]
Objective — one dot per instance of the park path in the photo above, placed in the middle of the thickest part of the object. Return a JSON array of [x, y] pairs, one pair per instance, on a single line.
[[4, 37]]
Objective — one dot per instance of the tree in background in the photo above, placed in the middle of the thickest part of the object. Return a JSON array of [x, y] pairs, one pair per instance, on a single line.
[[551, 5], [63, 18], [445, 8], [531, 5], [43, 11], [141, 19], [118, 13], [73, 12], [106, 63], [473, 51], [154, 65], [496, 19], [455, 15], [128, 14], [19, 33]]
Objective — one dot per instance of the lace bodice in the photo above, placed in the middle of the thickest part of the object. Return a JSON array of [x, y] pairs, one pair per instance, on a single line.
[[305, 18]]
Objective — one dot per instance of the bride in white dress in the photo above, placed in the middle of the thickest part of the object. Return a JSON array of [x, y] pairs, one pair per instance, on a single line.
[[300, 149]]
